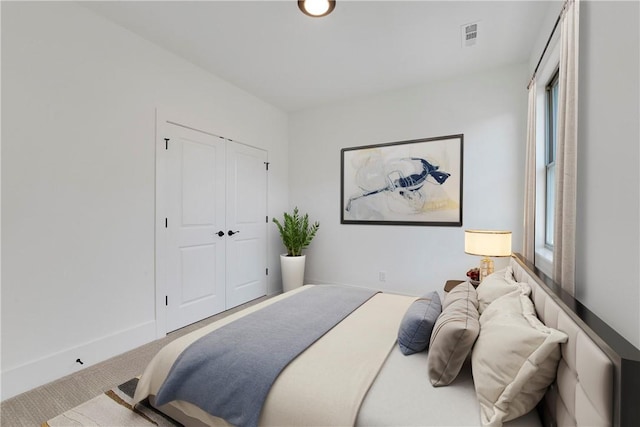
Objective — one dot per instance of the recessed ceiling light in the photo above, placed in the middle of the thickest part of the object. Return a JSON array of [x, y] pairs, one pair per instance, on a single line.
[[316, 8]]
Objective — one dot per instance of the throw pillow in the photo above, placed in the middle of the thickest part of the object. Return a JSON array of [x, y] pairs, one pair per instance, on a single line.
[[514, 359], [494, 286], [417, 324], [453, 335]]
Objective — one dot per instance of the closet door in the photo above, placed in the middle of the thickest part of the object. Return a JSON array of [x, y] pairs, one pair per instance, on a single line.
[[246, 223], [195, 214]]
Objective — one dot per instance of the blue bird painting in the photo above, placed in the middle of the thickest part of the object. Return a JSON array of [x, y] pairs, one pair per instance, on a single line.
[[404, 176]]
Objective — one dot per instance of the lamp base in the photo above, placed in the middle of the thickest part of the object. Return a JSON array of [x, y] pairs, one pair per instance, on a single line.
[[486, 267]]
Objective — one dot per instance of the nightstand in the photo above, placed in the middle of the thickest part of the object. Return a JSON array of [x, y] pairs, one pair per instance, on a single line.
[[450, 284]]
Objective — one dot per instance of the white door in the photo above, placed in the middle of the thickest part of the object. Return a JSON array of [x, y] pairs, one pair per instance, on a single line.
[[246, 223], [195, 214]]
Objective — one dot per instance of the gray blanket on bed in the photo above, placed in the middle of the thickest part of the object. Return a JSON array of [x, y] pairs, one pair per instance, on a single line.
[[229, 372]]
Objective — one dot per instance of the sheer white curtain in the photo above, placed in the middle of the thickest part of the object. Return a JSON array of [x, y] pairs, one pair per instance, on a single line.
[[528, 241], [566, 151]]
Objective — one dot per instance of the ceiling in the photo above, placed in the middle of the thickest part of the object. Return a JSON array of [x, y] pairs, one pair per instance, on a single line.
[[292, 61]]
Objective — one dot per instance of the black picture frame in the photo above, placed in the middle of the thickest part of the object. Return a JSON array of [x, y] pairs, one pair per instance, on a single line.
[[416, 182]]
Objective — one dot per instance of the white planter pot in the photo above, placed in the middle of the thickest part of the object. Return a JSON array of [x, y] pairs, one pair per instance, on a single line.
[[292, 271]]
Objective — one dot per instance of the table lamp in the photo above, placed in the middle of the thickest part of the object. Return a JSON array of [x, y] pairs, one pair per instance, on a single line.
[[487, 243]]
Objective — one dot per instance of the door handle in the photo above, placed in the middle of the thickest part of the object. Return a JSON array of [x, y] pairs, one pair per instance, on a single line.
[[220, 233], [231, 233]]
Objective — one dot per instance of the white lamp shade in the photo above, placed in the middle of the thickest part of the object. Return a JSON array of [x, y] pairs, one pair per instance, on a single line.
[[487, 243]]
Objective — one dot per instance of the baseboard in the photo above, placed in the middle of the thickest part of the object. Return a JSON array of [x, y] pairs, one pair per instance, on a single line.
[[51, 367]]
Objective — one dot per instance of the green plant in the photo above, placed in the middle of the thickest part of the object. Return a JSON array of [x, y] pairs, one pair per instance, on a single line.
[[296, 232]]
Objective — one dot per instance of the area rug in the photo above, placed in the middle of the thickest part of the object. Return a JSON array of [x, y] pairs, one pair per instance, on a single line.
[[113, 408]]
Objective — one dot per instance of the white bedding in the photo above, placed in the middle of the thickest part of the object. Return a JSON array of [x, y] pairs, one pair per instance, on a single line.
[[403, 396], [400, 395]]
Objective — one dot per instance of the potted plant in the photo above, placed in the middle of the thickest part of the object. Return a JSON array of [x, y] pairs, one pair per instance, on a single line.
[[296, 234]]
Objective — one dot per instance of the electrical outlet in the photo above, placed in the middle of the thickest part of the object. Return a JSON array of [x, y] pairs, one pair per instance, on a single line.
[[382, 276]]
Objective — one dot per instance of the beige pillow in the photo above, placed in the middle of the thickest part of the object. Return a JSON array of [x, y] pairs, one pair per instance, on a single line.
[[494, 286], [453, 334], [514, 359]]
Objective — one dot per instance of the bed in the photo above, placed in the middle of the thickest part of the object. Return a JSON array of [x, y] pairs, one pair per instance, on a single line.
[[357, 374]]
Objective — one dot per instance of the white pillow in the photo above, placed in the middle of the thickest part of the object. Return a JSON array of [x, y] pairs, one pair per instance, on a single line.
[[496, 285], [515, 358]]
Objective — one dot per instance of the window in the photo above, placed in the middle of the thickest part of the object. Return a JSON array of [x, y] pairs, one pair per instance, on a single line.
[[551, 122], [546, 126]]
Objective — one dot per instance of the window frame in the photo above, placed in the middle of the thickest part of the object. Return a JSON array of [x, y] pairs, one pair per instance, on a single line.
[[543, 257], [550, 144]]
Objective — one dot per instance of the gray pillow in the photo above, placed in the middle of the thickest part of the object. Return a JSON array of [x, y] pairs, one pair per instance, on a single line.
[[417, 324], [453, 336]]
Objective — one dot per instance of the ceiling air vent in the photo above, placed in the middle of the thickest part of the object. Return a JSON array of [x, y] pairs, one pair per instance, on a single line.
[[469, 34]]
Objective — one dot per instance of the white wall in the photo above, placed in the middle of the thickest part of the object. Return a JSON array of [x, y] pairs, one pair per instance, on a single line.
[[489, 109], [79, 96], [551, 16], [608, 234]]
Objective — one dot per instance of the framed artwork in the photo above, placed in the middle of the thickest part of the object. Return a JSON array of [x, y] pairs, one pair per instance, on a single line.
[[417, 182]]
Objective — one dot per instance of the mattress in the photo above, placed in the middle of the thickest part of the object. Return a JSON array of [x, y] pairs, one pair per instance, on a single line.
[[402, 395]]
